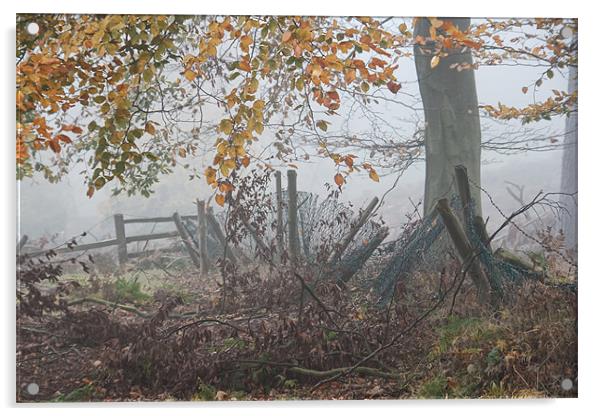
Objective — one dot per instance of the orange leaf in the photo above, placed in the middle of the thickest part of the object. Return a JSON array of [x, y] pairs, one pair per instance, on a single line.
[[220, 199], [393, 86], [374, 176], [149, 128], [54, 145], [338, 179], [63, 138]]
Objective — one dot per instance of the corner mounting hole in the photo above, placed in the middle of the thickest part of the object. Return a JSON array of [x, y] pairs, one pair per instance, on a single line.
[[33, 28], [33, 389]]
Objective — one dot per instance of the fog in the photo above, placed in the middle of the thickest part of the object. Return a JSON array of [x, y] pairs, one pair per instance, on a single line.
[[63, 208]]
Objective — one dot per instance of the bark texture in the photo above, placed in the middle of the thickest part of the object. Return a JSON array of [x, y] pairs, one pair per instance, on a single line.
[[453, 130]]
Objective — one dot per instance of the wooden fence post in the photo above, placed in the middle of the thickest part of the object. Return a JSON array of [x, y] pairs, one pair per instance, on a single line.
[[202, 236], [354, 261], [463, 186], [122, 248], [219, 234], [465, 250], [186, 239], [293, 228], [279, 219], [361, 220]]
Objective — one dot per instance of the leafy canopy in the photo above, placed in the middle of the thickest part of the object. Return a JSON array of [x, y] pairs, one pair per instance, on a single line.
[[111, 91]]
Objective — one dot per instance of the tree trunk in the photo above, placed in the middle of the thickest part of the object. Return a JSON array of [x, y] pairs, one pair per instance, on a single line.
[[453, 130], [467, 253], [569, 172]]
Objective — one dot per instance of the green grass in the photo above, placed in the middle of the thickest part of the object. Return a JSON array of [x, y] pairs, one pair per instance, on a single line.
[[80, 394]]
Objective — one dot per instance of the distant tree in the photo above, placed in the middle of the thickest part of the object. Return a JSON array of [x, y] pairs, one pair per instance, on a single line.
[[568, 184]]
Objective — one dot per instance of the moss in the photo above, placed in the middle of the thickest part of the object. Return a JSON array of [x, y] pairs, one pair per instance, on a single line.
[[204, 393], [435, 388], [80, 394]]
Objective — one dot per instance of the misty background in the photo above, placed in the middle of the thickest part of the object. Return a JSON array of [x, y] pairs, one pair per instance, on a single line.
[[63, 210]]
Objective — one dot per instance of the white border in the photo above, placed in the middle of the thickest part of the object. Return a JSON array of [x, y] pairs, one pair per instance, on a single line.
[[590, 288]]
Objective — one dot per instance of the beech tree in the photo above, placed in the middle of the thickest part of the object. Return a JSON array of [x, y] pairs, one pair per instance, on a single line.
[[449, 97]]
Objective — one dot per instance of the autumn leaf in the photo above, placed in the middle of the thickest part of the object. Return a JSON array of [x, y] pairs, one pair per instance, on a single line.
[[322, 125], [393, 86], [286, 36], [225, 187], [350, 75], [220, 199], [63, 138], [374, 176], [54, 145], [150, 128], [525, 90], [339, 180], [210, 175], [226, 126], [434, 61], [189, 75]]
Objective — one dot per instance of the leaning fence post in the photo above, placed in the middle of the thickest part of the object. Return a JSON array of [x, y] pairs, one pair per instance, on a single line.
[[293, 228], [361, 220], [461, 176], [219, 234], [202, 236], [122, 247], [468, 255], [186, 239]]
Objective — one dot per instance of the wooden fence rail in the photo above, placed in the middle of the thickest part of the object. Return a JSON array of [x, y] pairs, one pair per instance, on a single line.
[[121, 240]]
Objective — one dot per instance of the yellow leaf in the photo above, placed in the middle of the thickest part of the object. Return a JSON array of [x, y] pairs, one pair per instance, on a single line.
[[245, 41], [189, 75], [436, 23], [374, 176], [210, 175], [259, 105], [220, 199], [435, 61], [322, 125], [338, 179], [226, 126], [350, 75]]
